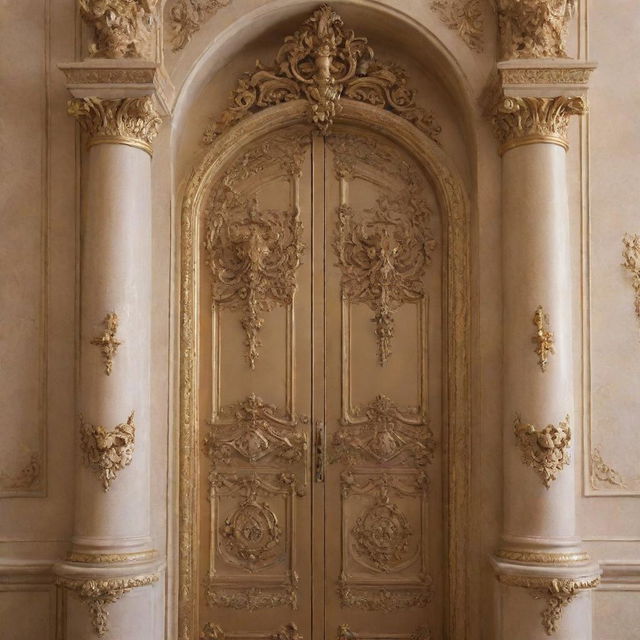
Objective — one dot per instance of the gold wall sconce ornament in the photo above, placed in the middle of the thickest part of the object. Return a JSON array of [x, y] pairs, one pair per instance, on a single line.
[[631, 262], [107, 452], [543, 339], [545, 450], [107, 341]]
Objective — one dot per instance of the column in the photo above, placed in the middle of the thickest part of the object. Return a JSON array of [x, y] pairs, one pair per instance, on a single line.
[[110, 571]]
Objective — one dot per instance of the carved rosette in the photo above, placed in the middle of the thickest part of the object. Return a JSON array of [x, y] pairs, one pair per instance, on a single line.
[[131, 121], [545, 450], [321, 63], [556, 592], [97, 594], [122, 28], [253, 256], [255, 433], [385, 436], [107, 452], [534, 28], [519, 121]]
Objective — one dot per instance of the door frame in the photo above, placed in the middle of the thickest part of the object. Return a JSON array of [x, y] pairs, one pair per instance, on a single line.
[[454, 206]]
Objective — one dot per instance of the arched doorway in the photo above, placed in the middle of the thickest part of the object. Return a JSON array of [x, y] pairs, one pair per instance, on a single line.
[[324, 457]]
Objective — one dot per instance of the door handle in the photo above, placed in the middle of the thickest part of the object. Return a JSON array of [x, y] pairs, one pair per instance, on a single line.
[[319, 445]]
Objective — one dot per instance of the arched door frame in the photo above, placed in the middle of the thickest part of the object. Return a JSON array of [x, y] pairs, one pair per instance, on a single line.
[[455, 207]]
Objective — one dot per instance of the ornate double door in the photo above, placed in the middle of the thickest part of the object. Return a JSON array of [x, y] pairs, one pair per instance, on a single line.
[[320, 359]]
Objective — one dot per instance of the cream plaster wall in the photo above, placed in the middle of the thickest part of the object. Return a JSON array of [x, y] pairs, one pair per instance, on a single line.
[[39, 249]]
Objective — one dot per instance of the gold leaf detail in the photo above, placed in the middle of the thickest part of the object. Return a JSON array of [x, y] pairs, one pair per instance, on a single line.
[[107, 452], [545, 451], [107, 341], [543, 338]]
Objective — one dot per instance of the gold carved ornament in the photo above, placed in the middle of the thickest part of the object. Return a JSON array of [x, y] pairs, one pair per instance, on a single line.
[[345, 633], [130, 121], [557, 593], [212, 631], [519, 121], [97, 594], [255, 433], [465, 17], [631, 262], [122, 28], [543, 338], [107, 341], [534, 28], [386, 435], [545, 451], [187, 16], [322, 63], [107, 452], [602, 472], [253, 256], [383, 258]]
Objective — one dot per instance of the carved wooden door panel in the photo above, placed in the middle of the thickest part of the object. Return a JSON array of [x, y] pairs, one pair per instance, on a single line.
[[320, 363]]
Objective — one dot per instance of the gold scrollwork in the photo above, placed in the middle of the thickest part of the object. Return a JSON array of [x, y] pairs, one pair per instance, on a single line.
[[378, 598], [557, 593], [345, 633], [320, 63], [545, 451], [465, 17], [256, 432], [543, 338], [253, 256], [385, 435], [212, 631], [187, 17], [253, 598], [107, 452], [97, 594], [631, 262], [107, 341]]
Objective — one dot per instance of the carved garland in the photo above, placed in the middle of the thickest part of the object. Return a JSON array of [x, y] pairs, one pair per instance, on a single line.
[[97, 594], [631, 262], [107, 452], [323, 63], [543, 338], [107, 341], [545, 451], [122, 28]]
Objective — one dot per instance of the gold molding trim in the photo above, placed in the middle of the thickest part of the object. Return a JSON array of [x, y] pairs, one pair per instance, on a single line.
[[540, 557], [631, 262], [545, 75], [130, 121], [526, 140], [543, 339], [557, 593], [107, 452], [111, 558], [453, 201], [465, 17], [97, 594], [122, 28], [545, 450], [321, 63], [107, 341]]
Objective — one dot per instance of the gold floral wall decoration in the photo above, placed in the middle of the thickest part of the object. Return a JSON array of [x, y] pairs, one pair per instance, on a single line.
[[321, 63], [107, 452], [544, 338], [631, 262], [187, 16], [108, 342], [123, 28], [544, 450], [465, 17], [97, 594]]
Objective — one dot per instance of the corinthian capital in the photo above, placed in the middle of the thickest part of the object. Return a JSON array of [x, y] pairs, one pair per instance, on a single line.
[[519, 121], [534, 28], [131, 121], [122, 28]]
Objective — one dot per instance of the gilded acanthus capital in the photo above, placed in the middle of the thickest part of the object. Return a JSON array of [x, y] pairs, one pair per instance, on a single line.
[[122, 28], [131, 121], [534, 28], [519, 121]]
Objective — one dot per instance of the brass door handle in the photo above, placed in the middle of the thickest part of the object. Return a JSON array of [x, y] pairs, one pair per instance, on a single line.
[[319, 446]]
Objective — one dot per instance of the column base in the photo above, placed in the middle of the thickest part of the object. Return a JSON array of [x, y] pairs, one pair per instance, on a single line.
[[557, 585], [122, 600]]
